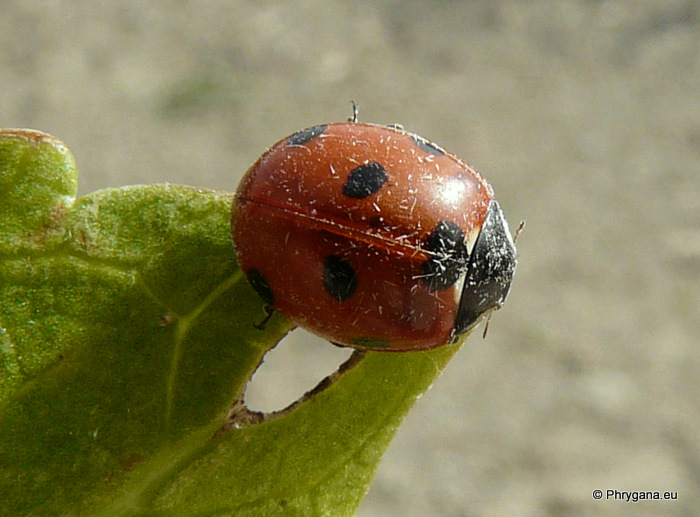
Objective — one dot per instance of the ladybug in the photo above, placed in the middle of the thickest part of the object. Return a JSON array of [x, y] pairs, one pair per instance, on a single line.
[[372, 237]]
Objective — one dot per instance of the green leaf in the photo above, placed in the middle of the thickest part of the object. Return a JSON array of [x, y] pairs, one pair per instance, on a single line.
[[126, 341]]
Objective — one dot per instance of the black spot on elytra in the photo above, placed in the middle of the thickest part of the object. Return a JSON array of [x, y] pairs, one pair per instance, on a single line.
[[449, 257], [306, 135], [339, 278], [427, 146], [364, 180], [259, 283]]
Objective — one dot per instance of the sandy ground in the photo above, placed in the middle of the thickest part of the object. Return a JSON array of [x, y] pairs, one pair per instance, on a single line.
[[584, 115]]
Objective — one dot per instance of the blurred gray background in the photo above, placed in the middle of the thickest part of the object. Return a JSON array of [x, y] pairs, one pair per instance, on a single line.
[[585, 117]]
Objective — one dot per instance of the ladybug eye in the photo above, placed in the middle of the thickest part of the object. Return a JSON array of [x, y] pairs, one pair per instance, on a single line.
[[490, 271]]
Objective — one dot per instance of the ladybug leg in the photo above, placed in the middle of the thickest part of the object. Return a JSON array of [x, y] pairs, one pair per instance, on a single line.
[[269, 311], [486, 325], [355, 110]]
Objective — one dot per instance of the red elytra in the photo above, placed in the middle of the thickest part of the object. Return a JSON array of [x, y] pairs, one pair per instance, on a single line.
[[372, 237]]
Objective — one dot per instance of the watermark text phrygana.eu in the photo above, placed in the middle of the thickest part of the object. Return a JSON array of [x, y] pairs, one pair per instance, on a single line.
[[634, 496]]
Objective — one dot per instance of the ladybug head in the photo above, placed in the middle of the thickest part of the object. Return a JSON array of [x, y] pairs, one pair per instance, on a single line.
[[489, 272]]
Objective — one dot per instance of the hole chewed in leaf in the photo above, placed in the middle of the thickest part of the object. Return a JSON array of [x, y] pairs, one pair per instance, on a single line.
[[299, 367], [240, 416]]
